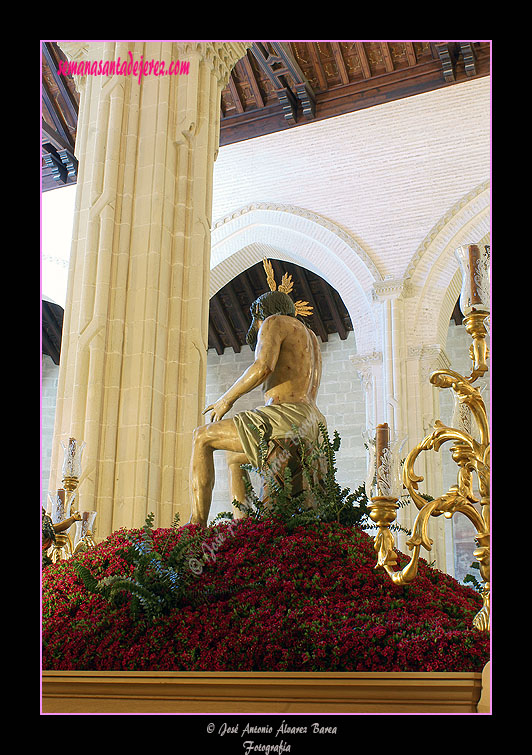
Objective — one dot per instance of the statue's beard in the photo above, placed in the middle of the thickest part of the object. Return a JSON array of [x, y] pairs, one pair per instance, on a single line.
[[253, 334]]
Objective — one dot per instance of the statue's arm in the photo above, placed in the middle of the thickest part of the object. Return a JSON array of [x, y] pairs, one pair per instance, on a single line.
[[64, 525], [266, 355]]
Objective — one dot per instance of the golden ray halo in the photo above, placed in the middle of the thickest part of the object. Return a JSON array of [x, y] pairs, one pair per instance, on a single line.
[[303, 308]]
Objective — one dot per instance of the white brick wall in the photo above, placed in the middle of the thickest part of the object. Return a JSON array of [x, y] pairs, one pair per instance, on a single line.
[[386, 175]]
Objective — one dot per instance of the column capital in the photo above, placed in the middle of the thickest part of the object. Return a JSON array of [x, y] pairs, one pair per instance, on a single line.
[[391, 288], [221, 56], [365, 364], [431, 357], [76, 52], [369, 358]]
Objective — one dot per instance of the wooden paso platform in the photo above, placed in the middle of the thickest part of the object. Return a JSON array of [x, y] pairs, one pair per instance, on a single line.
[[261, 692]]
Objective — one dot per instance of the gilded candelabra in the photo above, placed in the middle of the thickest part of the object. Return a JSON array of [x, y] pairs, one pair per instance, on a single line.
[[469, 450], [62, 514]]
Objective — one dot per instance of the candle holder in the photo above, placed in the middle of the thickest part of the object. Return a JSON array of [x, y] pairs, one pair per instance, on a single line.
[[62, 516], [383, 489], [83, 538], [72, 453], [469, 450], [61, 520], [474, 264]]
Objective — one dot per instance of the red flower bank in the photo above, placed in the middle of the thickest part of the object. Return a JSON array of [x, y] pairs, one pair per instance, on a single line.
[[269, 600]]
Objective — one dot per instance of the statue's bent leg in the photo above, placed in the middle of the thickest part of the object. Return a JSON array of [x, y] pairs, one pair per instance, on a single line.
[[237, 479], [215, 436]]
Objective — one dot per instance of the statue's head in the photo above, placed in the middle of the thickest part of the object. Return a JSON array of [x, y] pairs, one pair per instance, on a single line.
[[274, 302], [270, 303]]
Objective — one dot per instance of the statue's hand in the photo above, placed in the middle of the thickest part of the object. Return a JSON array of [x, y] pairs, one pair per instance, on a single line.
[[218, 409]]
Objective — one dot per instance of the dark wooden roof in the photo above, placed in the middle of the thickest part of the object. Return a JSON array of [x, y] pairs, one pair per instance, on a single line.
[[52, 328], [229, 315], [59, 105], [280, 85]]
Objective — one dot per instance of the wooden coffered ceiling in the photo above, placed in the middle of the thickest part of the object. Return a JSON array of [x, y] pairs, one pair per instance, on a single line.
[[59, 121], [280, 85], [275, 86]]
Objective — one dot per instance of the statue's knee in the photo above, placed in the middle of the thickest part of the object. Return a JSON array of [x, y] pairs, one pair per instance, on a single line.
[[235, 459], [199, 436]]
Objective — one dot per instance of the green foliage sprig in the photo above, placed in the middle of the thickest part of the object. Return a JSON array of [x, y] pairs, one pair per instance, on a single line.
[[323, 500], [472, 580], [156, 585]]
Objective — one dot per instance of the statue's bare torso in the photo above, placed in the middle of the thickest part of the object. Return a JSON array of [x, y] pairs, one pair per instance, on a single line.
[[297, 372]]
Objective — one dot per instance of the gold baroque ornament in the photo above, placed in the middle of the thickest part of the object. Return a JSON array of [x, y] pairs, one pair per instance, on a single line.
[[472, 457], [303, 308]]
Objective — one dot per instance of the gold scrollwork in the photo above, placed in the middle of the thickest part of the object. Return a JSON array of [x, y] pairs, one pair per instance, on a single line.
[[472, 457]]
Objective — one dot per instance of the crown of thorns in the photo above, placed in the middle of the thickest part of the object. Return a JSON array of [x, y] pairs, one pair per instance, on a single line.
[[303, 308]]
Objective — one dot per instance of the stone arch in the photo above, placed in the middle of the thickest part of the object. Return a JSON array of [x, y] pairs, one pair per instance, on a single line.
[[260, 230], [433, 275]]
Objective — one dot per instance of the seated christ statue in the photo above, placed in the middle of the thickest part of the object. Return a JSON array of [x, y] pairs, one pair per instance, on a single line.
[[288, 365]]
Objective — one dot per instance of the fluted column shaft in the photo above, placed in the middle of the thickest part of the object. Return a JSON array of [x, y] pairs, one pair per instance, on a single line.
[[132, 374]]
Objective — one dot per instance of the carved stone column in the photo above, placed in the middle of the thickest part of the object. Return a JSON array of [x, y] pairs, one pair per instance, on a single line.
[[390, 295], [132, 375], [422, 410], [369, 369]]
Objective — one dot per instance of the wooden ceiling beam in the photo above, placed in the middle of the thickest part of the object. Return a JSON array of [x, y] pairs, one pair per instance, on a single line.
[[52, 329], [240, 315], [235, 95], [49, 348], [388, 62], [229, 316], [468, 54], [248, 288], [336, 316], [51, 322], [53, 136], [366, 70], [457, 315], [226, 324], [410, 53], [288, 80], [338, 57], [252, 80], [214, 339], [317, 65], [59, 126], [51, 54], [448, 54], [52, 160]]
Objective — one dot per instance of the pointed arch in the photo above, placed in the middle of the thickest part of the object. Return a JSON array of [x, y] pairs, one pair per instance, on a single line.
[[433, 275], [290, 233]]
